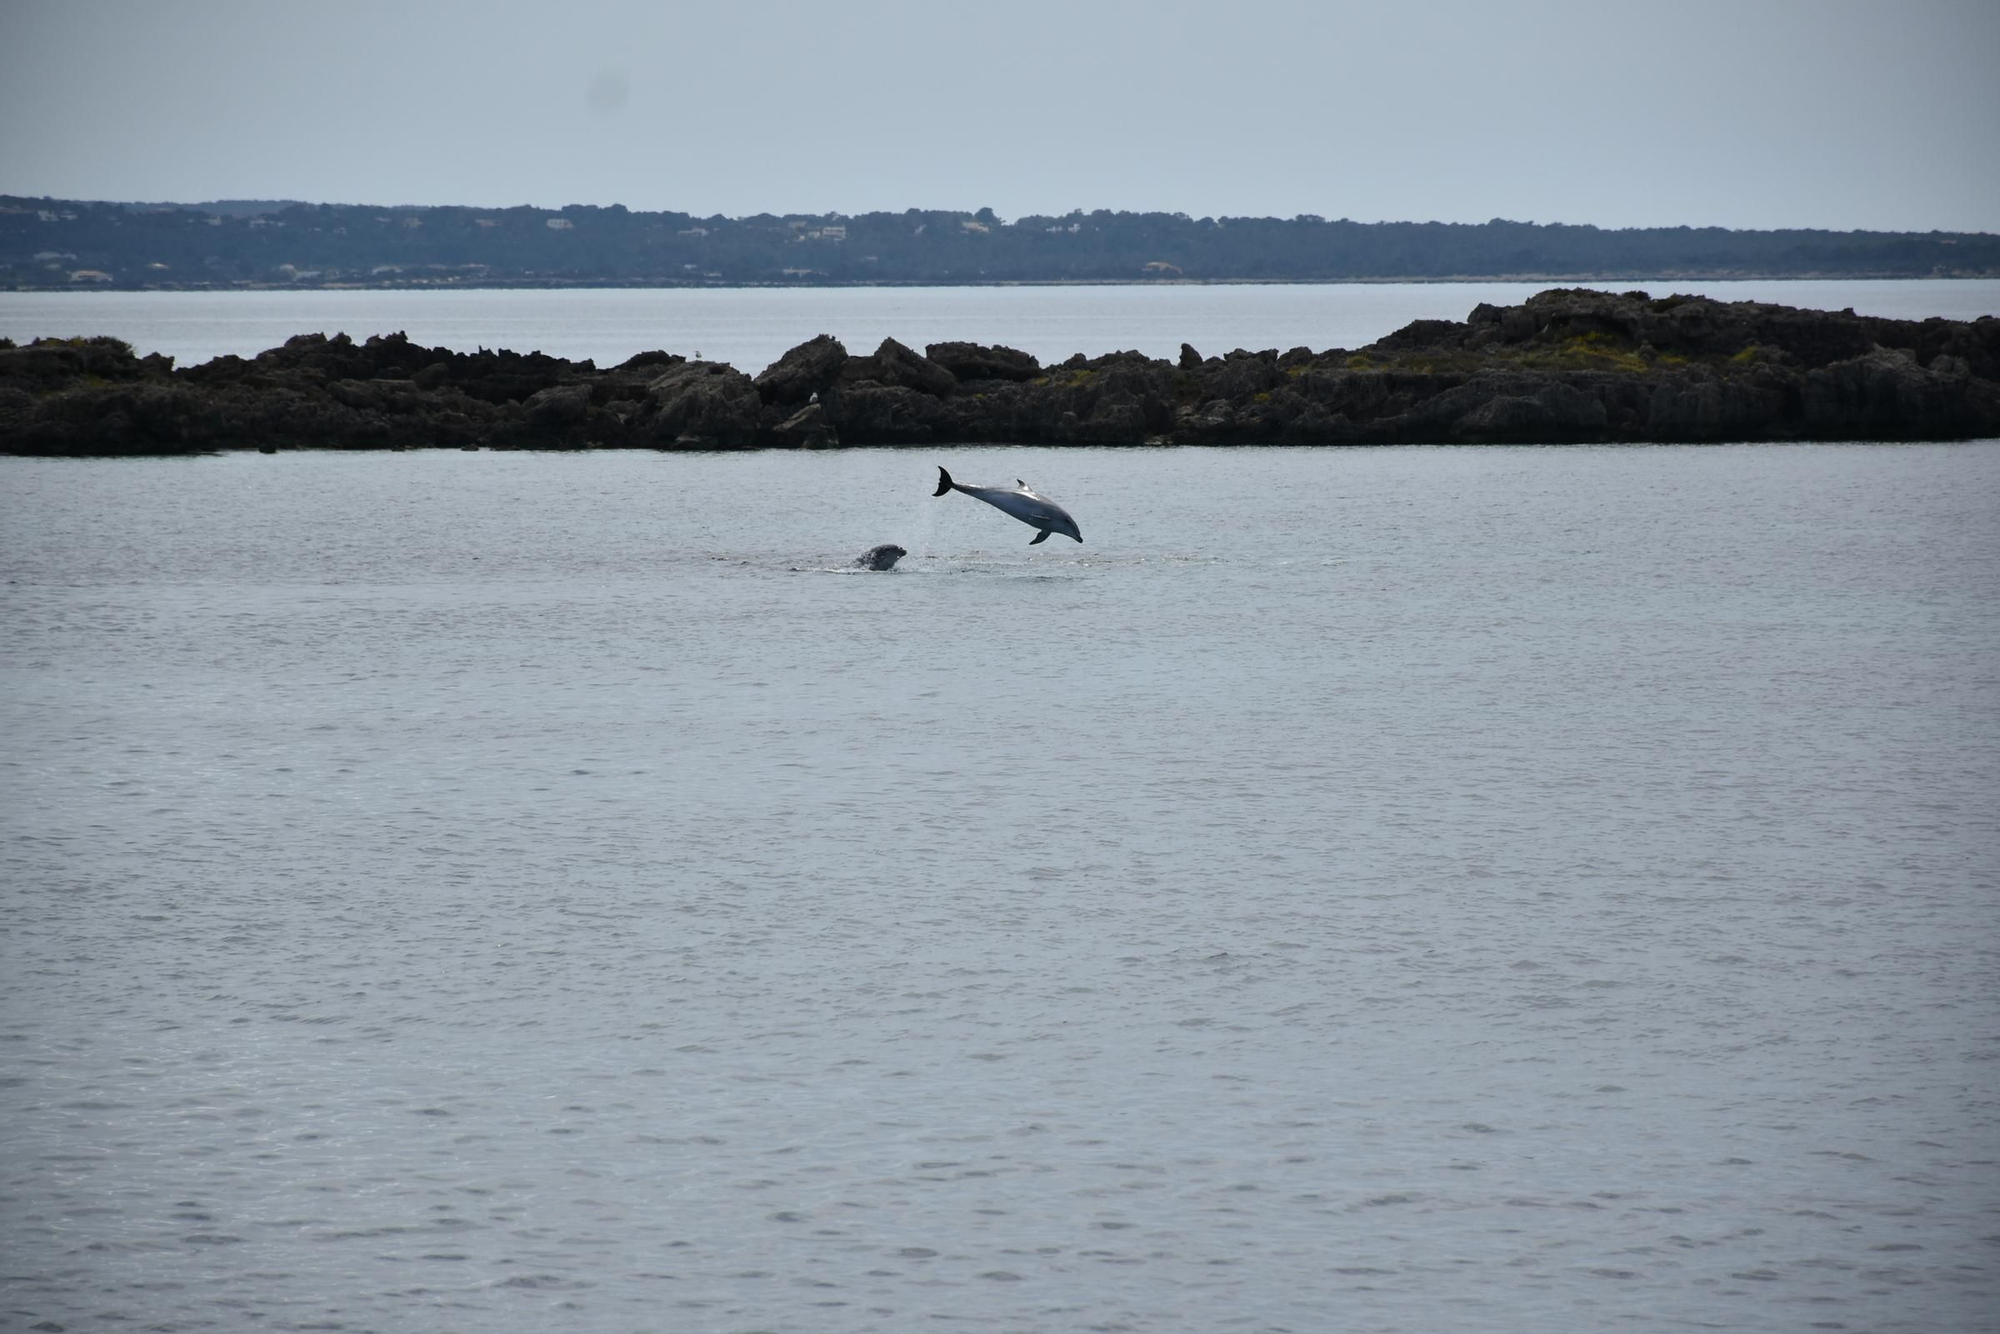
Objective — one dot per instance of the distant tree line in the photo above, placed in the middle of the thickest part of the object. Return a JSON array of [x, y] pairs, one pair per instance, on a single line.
[[69, 243]]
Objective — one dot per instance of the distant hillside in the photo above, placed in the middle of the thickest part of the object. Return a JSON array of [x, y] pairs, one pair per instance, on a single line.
[[228, 208], [48, 243]]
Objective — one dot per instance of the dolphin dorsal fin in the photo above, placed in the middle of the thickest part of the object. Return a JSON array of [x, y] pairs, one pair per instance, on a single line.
[[1018, 482]]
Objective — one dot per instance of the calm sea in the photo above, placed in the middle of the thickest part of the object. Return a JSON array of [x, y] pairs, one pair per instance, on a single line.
[[1372, 890], [754, 327]]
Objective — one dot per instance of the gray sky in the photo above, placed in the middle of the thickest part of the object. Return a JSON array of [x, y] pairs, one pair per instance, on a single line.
[[1749, 113]]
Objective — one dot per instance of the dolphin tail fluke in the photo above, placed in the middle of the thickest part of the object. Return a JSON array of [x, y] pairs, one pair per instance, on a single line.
[[1042, 536], [944, 482]]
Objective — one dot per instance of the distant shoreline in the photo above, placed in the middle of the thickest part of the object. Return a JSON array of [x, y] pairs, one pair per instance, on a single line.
[[276, 244], [579, 285]]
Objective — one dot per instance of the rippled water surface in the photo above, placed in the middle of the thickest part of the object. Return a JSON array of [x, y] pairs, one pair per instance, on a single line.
[[1452, 889]]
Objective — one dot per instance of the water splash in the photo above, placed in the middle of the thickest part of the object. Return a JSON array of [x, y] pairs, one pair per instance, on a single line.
[[922, 526]]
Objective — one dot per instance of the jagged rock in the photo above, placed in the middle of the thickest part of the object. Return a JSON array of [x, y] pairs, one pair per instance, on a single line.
[[559, 406], [17, 411], [1885, 394], [808, 369], [1695, 407], [894, 365], [1213, 422], [1116, 419], [881, 414], [1316, 426], [52, 361], [807, 428], [1189, 357], [1119, 398], [970, 361], [1550, 411], [702, 401], [1238, 376], [395, 357], [995, 410], [640, 361], [1430, 334]]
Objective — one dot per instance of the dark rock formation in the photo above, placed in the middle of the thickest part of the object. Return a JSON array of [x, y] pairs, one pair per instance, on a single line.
[[896, 367], [970, 362], [1565, 366], [806, 370], [699, 405], [806, 429]]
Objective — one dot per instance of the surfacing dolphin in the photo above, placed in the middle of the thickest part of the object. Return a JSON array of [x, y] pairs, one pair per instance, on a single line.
[[883, 557], [1034, 510]]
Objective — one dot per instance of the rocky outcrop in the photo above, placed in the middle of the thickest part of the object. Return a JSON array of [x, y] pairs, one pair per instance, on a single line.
[[699, 405], [1566, 366], [807, 428], [806, 370], [894, 366], [971, 362]]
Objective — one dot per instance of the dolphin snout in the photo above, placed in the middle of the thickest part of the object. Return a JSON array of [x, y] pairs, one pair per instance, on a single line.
[[883, 557]]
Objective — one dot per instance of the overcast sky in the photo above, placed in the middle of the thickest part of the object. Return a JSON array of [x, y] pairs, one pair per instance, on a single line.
[[1738, 113]]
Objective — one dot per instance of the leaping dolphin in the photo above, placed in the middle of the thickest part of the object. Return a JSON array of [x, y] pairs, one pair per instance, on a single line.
[[1034, 510]]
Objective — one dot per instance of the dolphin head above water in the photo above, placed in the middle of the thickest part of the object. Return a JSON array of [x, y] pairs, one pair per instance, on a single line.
[[883, 557], [1023, 502]]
